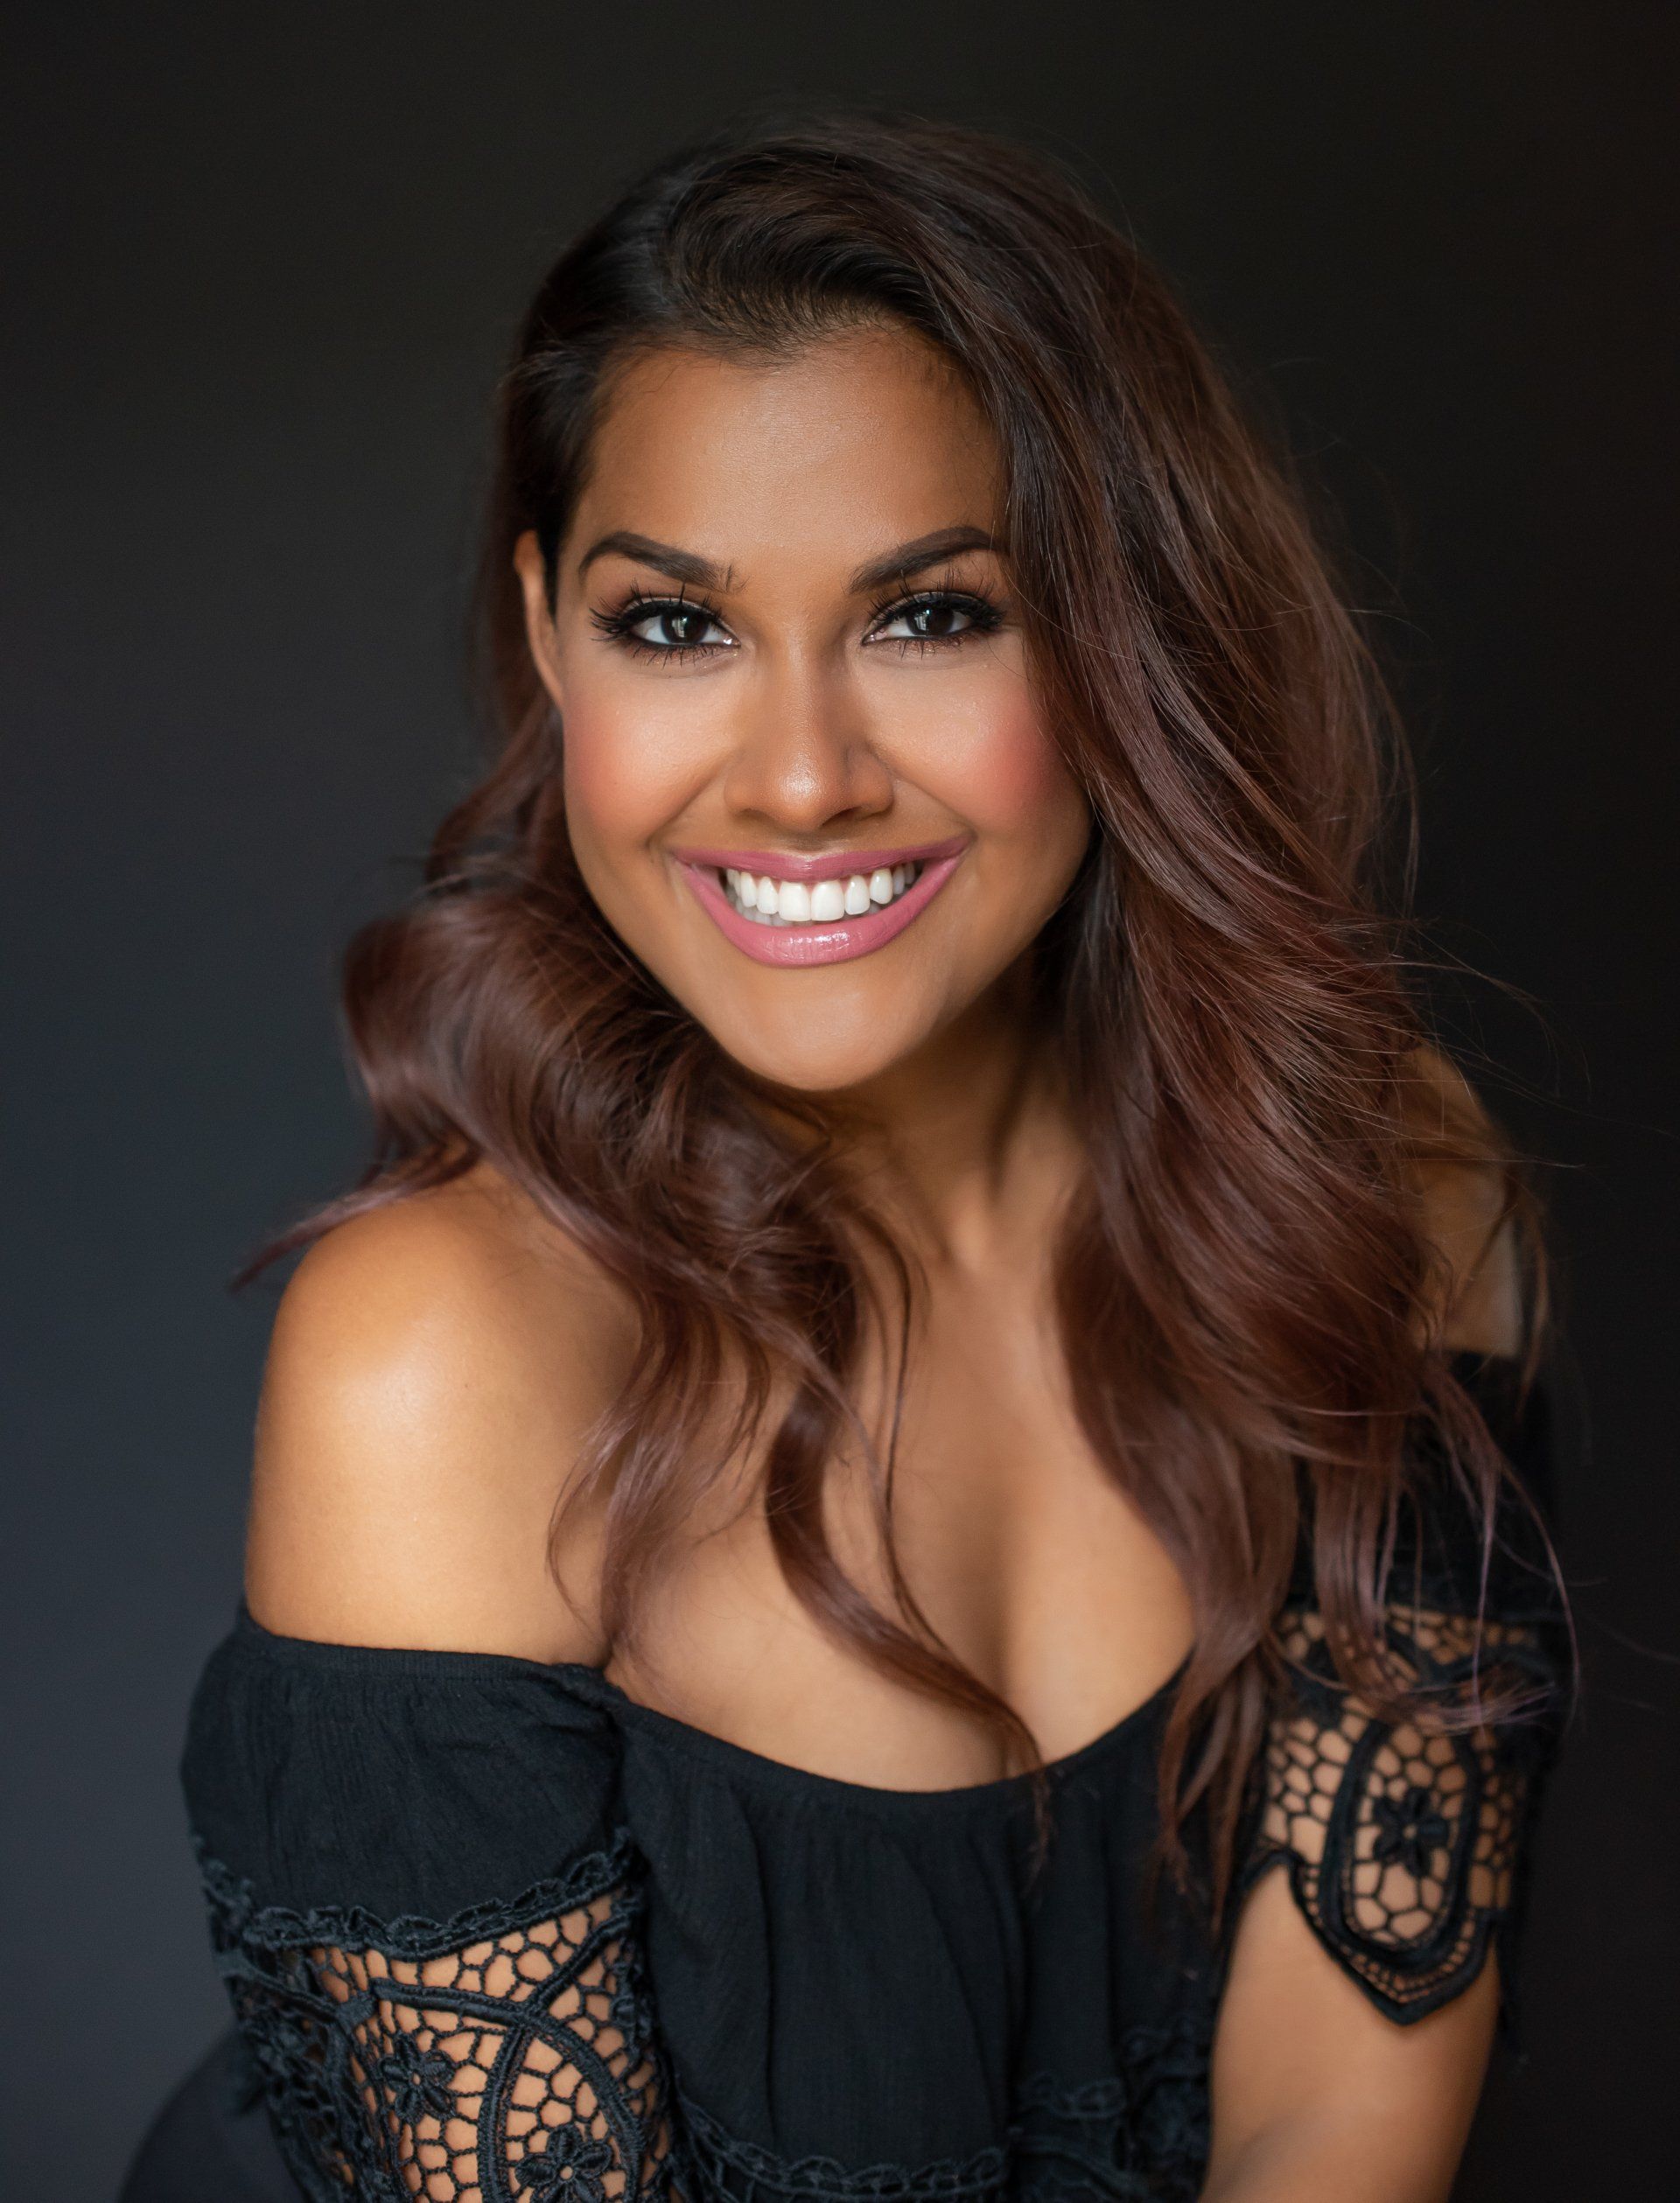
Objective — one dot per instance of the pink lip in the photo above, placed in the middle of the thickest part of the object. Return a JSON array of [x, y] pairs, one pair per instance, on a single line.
[[825, 944]]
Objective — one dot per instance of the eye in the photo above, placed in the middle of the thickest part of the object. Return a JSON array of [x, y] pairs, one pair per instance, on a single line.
[[664, 627], [674, 626], [936, 616]]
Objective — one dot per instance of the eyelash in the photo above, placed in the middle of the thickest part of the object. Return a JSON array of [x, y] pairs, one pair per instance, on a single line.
[[617, 625], [984, 615]]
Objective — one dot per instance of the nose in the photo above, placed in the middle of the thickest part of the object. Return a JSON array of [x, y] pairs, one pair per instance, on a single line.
[[803, 759]]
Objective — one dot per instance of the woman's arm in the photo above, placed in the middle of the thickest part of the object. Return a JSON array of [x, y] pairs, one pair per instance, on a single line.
[[1319, 2097], [1319, 2094], [422, 1901]]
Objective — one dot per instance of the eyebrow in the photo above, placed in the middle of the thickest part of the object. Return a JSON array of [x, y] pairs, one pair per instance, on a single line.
[[664, 558], [913, 558], [678, 565]]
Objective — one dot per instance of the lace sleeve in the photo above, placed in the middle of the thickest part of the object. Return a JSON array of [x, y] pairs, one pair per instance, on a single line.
[[1408, 1848], [507, 2055], [1403, 1847], [428, 1917]]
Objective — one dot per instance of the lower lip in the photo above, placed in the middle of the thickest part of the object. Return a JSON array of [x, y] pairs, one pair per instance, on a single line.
[[822, 944]]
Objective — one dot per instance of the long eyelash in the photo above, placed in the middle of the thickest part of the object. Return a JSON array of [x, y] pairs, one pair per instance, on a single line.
[[986, 615], [617, 625]]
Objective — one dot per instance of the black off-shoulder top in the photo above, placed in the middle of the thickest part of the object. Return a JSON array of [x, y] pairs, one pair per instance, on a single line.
[[491, 1930]]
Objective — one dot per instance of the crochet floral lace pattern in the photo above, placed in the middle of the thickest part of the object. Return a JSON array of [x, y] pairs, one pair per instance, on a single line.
[[1402, 1843], [506, 2055]]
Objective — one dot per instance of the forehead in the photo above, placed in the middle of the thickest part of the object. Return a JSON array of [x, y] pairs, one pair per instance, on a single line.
[[855, 441]]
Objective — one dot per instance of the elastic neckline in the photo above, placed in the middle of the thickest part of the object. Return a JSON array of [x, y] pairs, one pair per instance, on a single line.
[[595, 1689], [703, 1744]]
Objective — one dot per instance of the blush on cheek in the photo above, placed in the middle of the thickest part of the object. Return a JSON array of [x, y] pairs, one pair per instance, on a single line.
[[592, 773], [1015, 778], [617, 791]]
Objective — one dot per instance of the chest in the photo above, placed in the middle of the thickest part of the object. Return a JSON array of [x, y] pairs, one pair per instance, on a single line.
[[1012, 1538]]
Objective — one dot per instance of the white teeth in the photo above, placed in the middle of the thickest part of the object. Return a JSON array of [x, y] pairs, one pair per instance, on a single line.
[[797, 902]]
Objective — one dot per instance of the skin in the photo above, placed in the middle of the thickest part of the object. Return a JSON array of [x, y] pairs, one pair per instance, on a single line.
[[431, 1362], [811, 730]]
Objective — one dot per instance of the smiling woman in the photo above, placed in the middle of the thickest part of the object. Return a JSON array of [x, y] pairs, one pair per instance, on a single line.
[[931, 1378], [839, 693]]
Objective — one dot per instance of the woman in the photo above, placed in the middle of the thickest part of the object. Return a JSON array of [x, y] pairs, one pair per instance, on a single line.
[[928, 1383]]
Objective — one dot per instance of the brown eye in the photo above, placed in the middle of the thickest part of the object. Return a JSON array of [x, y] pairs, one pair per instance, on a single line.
[[674, 626], [947, 616], [671, 627], [934, 620]]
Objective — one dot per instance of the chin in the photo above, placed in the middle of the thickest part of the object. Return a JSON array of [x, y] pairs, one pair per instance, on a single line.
[[804, 1074], [803, 1065]]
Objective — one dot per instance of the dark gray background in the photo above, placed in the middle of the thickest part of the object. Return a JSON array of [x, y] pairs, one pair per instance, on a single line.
[[267, 263]]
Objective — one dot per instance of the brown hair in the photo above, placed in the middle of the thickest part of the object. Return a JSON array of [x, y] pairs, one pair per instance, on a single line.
[[1241, 1294]]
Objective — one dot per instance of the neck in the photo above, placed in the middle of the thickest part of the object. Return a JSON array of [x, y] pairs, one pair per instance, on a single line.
[[967, 1147]]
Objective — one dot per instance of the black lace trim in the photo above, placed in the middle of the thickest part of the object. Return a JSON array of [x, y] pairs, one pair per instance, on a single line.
[[1142, 2133], [278, 1927], [508, 2053], [1139, 2136], [1404, 1846], [742, 2171]]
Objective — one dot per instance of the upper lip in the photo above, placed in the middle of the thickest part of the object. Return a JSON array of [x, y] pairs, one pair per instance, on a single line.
[[839, 863]]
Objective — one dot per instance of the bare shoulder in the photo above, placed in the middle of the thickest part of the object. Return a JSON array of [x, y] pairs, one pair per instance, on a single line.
[[1466, 1193], [433, 1367]]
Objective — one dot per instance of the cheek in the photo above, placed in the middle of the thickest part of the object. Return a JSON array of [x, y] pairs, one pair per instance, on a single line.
[[630, 765], [1008, 778]]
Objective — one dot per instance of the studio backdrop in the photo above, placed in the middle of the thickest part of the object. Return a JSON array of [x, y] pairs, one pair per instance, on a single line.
[[265, 265]]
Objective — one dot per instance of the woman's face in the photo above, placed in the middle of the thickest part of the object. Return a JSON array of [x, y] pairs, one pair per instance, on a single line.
[[806, 778]]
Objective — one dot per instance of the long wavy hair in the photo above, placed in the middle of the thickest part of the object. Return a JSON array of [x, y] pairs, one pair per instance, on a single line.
[[1243, 1287]]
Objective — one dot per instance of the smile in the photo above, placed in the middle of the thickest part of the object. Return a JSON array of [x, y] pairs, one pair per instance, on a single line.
[[781, 910]]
